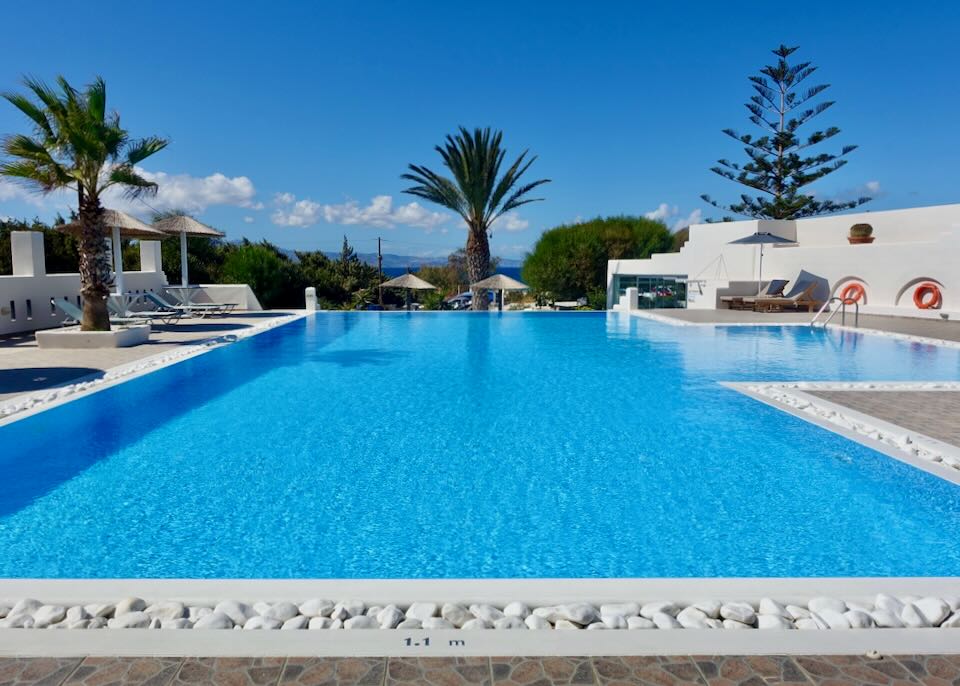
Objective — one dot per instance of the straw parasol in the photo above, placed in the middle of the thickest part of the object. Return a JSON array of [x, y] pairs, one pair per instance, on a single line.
[[185, 225], [409, 282], [761, 238], [499, 282], [121, 225]]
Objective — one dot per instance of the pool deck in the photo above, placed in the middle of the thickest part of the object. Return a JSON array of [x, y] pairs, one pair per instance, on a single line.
[[810, 670], [25, 368]]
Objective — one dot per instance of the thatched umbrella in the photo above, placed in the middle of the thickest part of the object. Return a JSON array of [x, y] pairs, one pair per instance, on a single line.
[[499, 282], [185, 225], [121, 225], [409, 282]]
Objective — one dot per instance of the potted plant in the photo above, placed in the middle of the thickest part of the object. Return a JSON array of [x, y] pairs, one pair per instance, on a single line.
[[860, 233]]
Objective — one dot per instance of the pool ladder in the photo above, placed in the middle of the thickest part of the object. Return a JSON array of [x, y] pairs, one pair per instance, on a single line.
[[815, 323]]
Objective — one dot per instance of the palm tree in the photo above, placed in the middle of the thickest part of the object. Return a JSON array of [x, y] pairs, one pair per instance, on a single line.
[[78, 145], [475, 192]]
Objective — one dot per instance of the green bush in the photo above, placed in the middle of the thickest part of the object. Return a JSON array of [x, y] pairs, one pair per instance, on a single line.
[[273, 277], [570, 261]]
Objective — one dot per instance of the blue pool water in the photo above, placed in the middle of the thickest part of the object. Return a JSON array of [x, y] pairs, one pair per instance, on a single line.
[[471, 445]]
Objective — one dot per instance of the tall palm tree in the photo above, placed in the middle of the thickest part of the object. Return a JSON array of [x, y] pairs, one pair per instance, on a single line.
[[78, 145], [475, 192]]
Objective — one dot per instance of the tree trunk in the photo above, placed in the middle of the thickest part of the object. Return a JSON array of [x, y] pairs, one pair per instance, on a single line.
[[478, 263], [95, 279]]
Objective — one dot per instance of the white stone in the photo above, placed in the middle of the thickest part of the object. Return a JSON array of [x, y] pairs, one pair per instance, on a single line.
[[615, 622], [565, 625], [76, 624], [650, 609], [580, 613], [320, 623], [597, 626], [26, 606], [516, 609], [734, 624], [436, 623], [389, 617], [509, 622], [316, 607], [951, 622], [98, 623], [888, 603], [373, 610], [456, 614], [818, 605], [347, 608], [487, 613], [913, 618], [539, 623], [711, 608], [130, 620], [295, 623], [422, 611], [953, 601], [886, 619], [859, 619], [214, 620], [154, 623], [182, 623], [713, 623], [167, 610], [261, 623], [261, 607], [361, 622], [623, 610], [797, 612], [281, 611], [640, 623], [769, 606], [934, 610], [476, 624], [100, 610], [692, 618], [4, 610], [195, 612], [411, 624], [862, 607], [45, 615], [238, 612], [336, 624], [806, 624], [17, 621], [773, 621], [739, 612], [834, 619], [77, 613], [129, 605], [664, 620]]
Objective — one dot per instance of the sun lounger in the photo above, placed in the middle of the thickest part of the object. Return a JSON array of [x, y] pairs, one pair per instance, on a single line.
[[774, 288], [162, 316], [796, 299], [199, 308], [74, 314], [163, 305]]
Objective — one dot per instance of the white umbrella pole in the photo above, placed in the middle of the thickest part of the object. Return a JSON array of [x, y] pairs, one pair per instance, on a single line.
[[184, 279], [760, 272], [117, 260]]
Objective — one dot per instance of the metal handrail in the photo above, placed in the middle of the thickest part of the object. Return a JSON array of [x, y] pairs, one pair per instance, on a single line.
[[833, 313]]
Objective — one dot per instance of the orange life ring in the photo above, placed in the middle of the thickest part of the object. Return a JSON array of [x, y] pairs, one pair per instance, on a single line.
[[853, 293], [921, 299]]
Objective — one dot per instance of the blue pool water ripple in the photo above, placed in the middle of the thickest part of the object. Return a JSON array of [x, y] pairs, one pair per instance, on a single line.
[[462, 445]]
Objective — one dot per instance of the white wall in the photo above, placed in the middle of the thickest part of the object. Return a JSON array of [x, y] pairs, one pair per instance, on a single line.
[[910, 246]]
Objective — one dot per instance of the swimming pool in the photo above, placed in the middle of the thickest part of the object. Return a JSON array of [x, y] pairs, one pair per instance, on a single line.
[[424, 445]]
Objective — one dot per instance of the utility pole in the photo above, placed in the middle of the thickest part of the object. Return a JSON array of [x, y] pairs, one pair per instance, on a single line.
[[379, 274]]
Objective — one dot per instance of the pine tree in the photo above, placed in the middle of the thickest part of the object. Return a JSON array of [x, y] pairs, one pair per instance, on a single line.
[[778, 164]]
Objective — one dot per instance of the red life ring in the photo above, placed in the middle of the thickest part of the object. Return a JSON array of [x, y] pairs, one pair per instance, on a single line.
[[927, 296], [853, 293]]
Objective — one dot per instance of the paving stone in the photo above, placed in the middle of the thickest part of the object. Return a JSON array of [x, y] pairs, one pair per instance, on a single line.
[[128, 671], [933, 670], [541, 671], [656, 671], [438, 671], [36, 671], [833, 670], [230, 671], [334, 671], [755, 670]]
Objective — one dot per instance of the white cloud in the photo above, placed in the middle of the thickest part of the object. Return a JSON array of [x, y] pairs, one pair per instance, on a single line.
[[872, 186], [380, 213], [670, 215], [510, 221], [248, 220]]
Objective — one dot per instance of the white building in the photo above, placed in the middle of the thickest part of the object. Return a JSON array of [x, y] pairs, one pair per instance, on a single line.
[[911, 247]]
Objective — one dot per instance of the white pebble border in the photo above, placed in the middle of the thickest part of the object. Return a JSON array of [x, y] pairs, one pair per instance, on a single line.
[[819, 613], [38, 400], [912, 443]]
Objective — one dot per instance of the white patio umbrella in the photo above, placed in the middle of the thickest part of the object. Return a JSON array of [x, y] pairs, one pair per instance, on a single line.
[[409, 282], [760, 238], [121, 225], [499, 282], [185, 225]]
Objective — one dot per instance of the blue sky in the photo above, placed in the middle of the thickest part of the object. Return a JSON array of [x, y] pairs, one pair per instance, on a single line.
[[293, 121]]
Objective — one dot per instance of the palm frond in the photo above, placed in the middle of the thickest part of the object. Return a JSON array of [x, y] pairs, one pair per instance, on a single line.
[[134, 185], [141, 149]]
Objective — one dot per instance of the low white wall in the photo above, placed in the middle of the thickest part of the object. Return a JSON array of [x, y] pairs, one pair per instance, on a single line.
[[239, 294], [911, 246]]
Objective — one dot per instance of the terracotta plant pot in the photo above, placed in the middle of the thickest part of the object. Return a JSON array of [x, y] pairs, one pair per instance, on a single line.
[[854, 240]]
